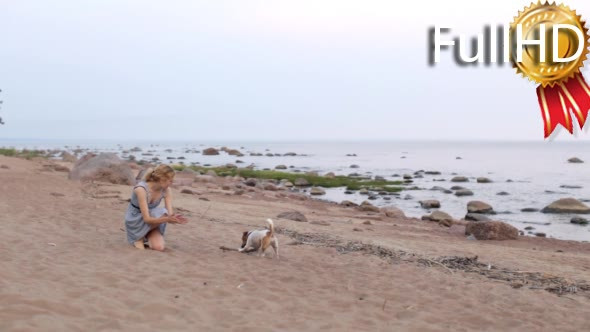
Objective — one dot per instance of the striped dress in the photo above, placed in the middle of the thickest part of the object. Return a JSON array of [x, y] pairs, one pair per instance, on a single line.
[[135, 226]]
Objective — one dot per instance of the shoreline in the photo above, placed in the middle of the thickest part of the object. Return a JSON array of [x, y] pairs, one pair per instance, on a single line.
[[516, 200]]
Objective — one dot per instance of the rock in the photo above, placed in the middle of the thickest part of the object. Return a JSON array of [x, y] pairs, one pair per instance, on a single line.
[[483, 180], [68, 157], [211, 173], [301, 182], [407, 177], [60, 168], [364, 191], [234, 152], [432, 173], [4, 167], [293, 215], [330, 175], [567, 205], [459, 179], [476, 217], [575, 160], [239, 192], [565, 186], [368, 207], [502, 193], [320, 222], [457, 188], [479, 207], [316, 191], [393, 212], [251, 182], [187, 191], [529, 228], [270, 186], [281, 167], [288, 184], [210, 152], [539, 234], [348, 203], [438, 188], [379, 178], [491, 230], [579, 221], [354, 166], [529, 210], [290, 154], [105, 167], [441, 217], [367, 222], [430, 204], [463, 192]]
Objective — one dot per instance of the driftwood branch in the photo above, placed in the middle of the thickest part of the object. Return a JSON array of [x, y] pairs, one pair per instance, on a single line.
[[224, 248]]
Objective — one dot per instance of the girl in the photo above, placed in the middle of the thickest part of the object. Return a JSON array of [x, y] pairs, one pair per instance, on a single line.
[[144, 220]]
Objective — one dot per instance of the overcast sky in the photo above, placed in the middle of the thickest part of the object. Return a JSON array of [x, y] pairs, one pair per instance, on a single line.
[[256, 70]]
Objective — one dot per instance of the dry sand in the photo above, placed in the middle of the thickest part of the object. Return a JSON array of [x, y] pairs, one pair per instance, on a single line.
[[66, 266]]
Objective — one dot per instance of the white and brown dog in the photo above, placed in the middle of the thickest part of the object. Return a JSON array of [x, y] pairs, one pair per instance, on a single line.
[[260, 240]]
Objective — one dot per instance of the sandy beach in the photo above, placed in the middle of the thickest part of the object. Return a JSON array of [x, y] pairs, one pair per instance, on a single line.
[[67, 267]]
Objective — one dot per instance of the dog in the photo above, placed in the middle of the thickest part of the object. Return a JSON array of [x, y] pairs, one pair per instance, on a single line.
[[260, 240]]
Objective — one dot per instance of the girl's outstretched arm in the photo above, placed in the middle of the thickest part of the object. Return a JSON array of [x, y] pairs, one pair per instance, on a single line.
[[179, 219], [168, 201]]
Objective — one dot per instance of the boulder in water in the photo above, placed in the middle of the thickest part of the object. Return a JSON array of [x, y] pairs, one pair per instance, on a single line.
[[567, 205]]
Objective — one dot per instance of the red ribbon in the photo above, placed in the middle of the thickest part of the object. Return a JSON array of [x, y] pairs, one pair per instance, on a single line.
[[559, 100]]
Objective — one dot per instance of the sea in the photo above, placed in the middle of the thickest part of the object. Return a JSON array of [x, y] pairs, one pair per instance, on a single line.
[[533, 174]]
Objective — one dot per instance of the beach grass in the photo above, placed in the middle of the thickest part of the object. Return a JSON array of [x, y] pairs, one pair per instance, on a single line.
[[25, 153], [350, 183]]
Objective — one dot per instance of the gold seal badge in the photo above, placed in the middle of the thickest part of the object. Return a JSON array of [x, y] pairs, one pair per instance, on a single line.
[[548, 72]]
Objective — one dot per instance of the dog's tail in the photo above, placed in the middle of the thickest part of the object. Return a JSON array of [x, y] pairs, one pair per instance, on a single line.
[[271, 227]]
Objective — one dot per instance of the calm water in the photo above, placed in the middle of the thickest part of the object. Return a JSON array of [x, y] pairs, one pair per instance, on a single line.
[[537, 170]]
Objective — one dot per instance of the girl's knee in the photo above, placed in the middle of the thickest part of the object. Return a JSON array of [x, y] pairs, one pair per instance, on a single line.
[[159, 246]]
